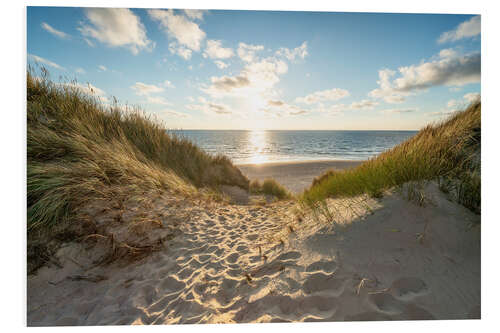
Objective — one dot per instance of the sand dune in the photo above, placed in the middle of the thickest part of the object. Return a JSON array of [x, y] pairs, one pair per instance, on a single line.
[[388, 259]]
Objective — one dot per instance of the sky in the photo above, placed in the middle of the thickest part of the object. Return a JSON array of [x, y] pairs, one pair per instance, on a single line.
[[223, 69]]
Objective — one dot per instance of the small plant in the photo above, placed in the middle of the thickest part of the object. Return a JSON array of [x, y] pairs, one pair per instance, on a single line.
[[377, 193], [269, 187], [415, 193]]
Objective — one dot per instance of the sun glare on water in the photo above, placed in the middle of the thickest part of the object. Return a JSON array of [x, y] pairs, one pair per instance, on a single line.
[[258, 143]]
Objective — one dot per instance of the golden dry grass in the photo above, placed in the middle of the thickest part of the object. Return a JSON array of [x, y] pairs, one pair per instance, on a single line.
[[80, 150]]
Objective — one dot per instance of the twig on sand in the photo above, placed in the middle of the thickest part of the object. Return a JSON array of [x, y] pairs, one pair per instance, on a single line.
[[361, 285], [249, 278]]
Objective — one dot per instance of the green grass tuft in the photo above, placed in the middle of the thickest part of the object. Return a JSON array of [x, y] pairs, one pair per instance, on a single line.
[[270, 187]]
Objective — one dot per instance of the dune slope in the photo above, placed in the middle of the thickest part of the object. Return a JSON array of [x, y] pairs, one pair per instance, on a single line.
[[390, 260]]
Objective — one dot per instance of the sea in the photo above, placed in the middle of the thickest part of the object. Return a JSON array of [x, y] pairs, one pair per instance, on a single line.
[[264, 146]]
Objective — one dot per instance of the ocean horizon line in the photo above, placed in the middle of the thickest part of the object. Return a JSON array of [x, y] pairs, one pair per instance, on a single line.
[[291, 130]]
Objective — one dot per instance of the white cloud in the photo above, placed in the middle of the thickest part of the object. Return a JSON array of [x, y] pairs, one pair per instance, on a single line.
[[386, 91], [279, 108], [168, 84], [180, 50], [408, 110], [447, 53], [214, 50], [335, 109], [298, 52], [210, 107], [452, 103], [227, 83], [324, 95], [116, 27], [363, 105], [186, 32], [54, 31], [461, 104], [255, 78], [45, 61], [449, 69], [157, 100], [168, 112], [102, 68], [143, 89], [220, 64], [247, 52], [472, 97], [89, 43], [441, 113], [194, 14], [467, 29], [79, 70]]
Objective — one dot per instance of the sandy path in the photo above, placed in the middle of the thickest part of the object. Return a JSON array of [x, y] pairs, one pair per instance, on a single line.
[[229, 265], [296, 176]]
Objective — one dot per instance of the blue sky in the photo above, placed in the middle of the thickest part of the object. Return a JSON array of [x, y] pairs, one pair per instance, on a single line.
[[265, 69]]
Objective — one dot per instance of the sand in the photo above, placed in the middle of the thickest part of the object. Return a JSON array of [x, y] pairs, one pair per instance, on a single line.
[[295, 176], [382, 259]]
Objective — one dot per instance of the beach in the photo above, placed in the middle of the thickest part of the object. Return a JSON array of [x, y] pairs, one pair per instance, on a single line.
[[382, 259], [134, 226], [295, 176]]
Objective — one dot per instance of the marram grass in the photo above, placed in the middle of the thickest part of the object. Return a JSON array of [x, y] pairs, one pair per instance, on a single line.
[[80, 149], [270, 187], [448, 152]]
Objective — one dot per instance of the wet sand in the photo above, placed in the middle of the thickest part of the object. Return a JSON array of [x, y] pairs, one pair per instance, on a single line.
[[296, 176]]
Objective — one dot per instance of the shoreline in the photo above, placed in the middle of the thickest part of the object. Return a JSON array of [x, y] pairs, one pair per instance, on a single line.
[[275, 163], [296, 176]]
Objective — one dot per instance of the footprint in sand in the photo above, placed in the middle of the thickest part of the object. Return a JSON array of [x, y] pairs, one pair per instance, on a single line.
[[212, 249], [185, 273], [242, 248], [203, 258], [234, 272], [232, 258], [219, 252], [385, 302], [170, 284], [320, 282], [323, 304], [255, 259], [252, 237], [289, 256], [322, 266], [407, 288]]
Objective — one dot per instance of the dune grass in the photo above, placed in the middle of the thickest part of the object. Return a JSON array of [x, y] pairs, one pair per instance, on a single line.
[[447, 152], [270, 187], [80, 149]]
